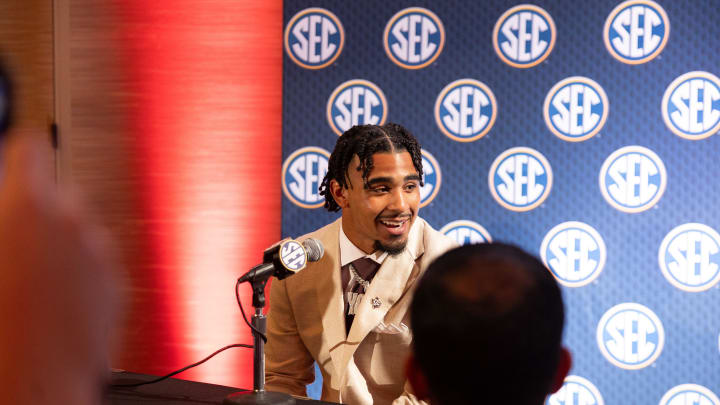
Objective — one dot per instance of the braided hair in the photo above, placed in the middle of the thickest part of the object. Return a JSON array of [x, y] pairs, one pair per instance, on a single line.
[[365, 141]]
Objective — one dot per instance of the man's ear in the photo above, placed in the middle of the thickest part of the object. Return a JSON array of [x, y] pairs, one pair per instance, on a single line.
[[563, 368], [416, 378], [339, 193]]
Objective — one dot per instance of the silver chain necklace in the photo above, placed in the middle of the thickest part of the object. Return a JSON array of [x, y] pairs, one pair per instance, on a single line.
[[362, 281]]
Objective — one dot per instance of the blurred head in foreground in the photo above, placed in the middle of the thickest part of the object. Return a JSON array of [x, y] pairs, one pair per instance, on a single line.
[[57, 290], [487, 322]]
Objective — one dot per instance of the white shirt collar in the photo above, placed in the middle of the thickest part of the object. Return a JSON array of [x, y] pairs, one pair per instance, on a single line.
[[349, 252]]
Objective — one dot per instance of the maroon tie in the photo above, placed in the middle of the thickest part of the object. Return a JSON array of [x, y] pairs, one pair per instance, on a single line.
[[353, 290]]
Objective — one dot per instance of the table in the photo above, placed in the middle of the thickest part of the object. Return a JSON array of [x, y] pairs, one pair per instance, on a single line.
[[173, 391]]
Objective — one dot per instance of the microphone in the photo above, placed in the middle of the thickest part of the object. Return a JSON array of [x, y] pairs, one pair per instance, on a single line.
[[284, 259]]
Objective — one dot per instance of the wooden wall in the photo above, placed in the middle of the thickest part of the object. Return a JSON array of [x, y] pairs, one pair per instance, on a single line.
[[26, 49]]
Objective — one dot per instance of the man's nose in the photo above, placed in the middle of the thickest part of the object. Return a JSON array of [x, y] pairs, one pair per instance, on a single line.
[[399, 201]]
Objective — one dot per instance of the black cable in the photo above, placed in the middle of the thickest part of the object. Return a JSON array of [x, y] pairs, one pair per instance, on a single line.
[[262, 335], [184, 368], [242, 311]]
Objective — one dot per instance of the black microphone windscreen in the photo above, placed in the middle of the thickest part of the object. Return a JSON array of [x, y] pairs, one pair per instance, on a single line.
[[314, 248]]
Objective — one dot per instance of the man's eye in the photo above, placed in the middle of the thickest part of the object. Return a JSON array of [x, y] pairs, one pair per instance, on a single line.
[[411, 187], [380, 190]]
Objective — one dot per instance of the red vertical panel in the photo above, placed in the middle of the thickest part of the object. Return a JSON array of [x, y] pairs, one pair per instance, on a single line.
[[205, 77]]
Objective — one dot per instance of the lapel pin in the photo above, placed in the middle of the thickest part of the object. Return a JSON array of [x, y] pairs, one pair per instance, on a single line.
[[376, 303]]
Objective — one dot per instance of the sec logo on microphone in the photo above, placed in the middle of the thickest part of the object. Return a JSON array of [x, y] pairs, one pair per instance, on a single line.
[[576, 391], [575, 109], [465, 110], [414, 38], [432, 178], [356, 102], [314, 38], [691, 105], [524, 36], [632, 179], [689, 258], [689, 394], [574, 252], [520, 179], [302, 173], [630, 336], [293, 255], [465, 232], [636, 31]]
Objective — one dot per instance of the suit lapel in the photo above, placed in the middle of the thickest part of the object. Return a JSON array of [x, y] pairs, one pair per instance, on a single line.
[[388, 286], [329, 295]]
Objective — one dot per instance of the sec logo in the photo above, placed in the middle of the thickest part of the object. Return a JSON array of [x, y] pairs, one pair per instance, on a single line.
[[414, 38], [314, 38], [575, 109], [302, 173], [691, 105], [356, 102], [689, 257], [520, 179], [465, 110], [432, 178], [630, 336], [576, 391], [574, 252], [465, 232], [524, 36], [636, 31], [293, 256], [689, 394], [632, 179]]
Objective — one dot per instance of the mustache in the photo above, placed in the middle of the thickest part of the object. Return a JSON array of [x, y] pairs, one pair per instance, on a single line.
[[399, 216]]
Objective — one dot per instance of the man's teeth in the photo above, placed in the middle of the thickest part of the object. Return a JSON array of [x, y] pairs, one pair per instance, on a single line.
[[392, 223]]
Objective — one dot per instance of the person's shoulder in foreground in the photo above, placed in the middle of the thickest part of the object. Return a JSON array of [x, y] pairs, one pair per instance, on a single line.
[[487, 321]]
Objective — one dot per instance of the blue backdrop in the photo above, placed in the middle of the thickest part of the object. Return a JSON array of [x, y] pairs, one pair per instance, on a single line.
[[580, 131]]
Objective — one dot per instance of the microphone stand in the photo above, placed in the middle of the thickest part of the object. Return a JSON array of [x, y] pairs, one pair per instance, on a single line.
[[258, 396]]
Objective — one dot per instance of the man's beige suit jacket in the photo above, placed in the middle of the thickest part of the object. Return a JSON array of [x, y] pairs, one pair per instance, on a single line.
[[306, 323]]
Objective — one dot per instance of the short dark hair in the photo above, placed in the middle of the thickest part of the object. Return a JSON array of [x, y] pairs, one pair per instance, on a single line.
[[365, 141], [487, 321]]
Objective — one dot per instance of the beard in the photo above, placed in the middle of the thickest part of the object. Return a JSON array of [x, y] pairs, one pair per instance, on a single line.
[[393, 249]]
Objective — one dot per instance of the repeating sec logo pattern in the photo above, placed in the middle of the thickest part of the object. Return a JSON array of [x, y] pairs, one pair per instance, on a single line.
[[302, 173], [314, 38], [689, 394], [520, 179], [466, 232], [432, 178], [630, 336], [465, 110], [524, 36], [632, 179], [574, 252], [689, 257], [356, 102], [576, 391], [691, 105], [576, 108], [414, 38], [636, 31]]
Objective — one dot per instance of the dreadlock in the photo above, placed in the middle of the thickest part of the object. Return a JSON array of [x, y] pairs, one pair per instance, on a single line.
[[365, 141]]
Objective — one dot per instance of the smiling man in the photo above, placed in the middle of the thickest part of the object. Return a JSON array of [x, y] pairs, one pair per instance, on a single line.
[[349, 311]]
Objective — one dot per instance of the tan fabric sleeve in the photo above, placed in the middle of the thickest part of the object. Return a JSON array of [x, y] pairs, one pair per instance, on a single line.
[[288, 364], [407, 397]]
